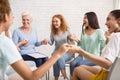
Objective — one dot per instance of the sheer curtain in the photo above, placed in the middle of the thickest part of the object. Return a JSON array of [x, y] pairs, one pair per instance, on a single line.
[[117, 4]]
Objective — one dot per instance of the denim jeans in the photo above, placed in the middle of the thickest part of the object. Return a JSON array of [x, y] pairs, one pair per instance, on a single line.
[[38, 61], [79, 60], [60, 64]]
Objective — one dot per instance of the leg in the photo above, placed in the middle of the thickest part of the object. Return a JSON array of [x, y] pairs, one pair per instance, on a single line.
[[74, 63], [56, 71], [44, 60], [27, 57], [84, 72], [93, 70], [87, 62], [61, 64], [38, 62]]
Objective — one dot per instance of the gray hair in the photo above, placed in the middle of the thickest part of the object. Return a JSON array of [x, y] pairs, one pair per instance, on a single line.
[[26, 13]]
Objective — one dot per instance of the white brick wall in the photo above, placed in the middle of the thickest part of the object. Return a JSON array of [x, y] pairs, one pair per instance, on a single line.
[[72, 10]]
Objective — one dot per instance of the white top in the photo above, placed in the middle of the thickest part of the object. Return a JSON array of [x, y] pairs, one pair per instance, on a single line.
[[8, 55], [112, 49]]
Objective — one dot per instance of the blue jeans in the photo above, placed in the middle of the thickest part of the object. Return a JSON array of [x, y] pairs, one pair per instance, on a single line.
[[60, 64], [79, 61], [38, 61]]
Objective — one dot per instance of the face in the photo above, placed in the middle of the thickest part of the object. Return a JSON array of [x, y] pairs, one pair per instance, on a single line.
[[85, 21], [26, 21], [56, 22], [111, 23]]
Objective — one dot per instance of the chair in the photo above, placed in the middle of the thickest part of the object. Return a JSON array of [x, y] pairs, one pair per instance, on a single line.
[[67, 64], [115, 70], [40, 55]]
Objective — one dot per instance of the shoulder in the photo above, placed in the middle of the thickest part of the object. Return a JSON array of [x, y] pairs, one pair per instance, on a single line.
[[68, 32], [17, 30], [116, 36], [100, 31]]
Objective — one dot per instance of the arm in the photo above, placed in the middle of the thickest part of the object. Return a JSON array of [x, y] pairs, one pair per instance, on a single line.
[[101, 61], [74, 38], [51, 41], [25, 72]]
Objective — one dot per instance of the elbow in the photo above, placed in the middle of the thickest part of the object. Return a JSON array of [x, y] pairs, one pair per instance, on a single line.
[[107, 66]]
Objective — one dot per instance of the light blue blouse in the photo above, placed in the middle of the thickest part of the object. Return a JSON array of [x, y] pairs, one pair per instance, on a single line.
[[19, 35]]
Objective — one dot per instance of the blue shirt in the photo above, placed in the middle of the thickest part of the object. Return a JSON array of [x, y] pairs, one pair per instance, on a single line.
[[19, 35]]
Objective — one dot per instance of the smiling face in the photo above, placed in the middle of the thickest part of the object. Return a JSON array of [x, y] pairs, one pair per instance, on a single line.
[[112, 23], [56, 22], [85, 21], [26, 21]]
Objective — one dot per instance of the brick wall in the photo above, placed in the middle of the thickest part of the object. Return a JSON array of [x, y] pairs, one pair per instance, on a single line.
[[72, 10]]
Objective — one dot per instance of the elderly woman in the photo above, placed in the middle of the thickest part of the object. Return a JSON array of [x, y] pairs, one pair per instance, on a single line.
[[25, 38]]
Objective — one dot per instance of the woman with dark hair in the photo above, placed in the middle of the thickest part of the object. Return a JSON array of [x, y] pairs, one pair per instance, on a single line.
[[109, 53], [92, 39]]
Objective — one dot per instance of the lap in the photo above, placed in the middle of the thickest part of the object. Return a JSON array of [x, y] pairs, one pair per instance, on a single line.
[[102, 75]]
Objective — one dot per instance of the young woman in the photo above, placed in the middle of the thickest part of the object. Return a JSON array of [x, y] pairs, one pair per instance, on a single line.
[[9, 54], [92, 40], [109, 53], [60, 35]]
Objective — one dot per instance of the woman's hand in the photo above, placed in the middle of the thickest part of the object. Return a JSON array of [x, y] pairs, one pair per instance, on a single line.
[[74, 49], [107, 35], [45, 41], [74, 38], [24, 42]]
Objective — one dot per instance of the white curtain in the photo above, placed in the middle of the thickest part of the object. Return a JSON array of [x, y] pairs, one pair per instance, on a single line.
[[117, 4]]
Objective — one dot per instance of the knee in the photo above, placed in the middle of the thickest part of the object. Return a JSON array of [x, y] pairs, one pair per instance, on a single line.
[[78, 69]]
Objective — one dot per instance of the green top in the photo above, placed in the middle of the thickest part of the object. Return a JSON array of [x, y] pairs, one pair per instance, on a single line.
[[93, 43]]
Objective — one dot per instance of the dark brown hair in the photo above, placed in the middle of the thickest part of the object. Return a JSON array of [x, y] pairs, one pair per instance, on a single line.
[[92, 20], [4, 9], [116, 13]]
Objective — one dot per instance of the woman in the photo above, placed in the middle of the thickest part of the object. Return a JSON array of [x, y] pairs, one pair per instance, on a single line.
[[9, 54], [92, 40], [109, 53], [25, 38], [60, 35]]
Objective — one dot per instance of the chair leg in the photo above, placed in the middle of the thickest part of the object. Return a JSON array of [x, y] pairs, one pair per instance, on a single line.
[[47, 75]]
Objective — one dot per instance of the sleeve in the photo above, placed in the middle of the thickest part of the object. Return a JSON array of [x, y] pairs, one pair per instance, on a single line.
[[51, 41], [37, 43], [11, 53], [111, 49], [15, 37]]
